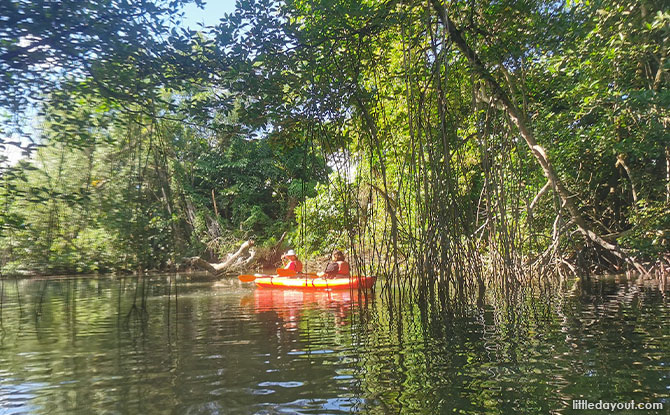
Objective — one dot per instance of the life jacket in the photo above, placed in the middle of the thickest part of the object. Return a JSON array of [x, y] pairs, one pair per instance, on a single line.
[[343, 268], [294, 265]]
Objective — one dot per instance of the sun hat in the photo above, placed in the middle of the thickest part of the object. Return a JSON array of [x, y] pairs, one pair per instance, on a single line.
[[290, 252]]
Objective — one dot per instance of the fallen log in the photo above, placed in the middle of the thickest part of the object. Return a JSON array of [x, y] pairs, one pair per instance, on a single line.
[[232, 264]]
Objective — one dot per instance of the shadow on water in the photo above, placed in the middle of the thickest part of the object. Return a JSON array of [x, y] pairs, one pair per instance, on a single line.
[[171, 343]]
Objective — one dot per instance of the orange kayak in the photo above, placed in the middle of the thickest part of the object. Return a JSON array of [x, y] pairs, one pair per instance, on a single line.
[[312, 282]]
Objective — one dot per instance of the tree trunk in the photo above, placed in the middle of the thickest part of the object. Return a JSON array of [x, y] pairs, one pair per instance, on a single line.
[[498, 94], [234, 262]]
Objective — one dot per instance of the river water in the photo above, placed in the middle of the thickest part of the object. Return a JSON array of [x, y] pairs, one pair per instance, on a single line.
[[171, 344]]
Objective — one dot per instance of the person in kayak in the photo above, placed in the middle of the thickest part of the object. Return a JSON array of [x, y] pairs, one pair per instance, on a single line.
[[293, 261], [337, 267]]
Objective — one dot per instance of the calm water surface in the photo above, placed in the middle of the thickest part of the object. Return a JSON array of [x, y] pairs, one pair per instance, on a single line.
[[174, 345]]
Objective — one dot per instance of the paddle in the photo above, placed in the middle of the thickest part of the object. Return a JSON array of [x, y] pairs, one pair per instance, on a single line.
[[248, 278]]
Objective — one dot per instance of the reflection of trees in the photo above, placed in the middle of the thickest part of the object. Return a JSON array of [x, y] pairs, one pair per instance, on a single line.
[[67, 342], [616, 328], [529, 353]]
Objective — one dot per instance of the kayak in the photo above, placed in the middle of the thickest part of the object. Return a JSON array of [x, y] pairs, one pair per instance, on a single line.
[[311, 282]]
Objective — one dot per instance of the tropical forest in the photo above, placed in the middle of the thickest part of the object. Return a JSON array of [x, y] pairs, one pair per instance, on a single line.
[[494, 175]]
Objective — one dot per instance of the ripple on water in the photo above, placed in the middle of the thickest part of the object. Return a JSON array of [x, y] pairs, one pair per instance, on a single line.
[[262, 391], [290, 384], [239, 352]]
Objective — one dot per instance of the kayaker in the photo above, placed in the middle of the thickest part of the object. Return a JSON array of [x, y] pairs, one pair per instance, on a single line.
[[293, 261], [337, 267]]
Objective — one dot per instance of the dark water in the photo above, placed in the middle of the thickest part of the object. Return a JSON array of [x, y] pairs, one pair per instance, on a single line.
[[81, 346]]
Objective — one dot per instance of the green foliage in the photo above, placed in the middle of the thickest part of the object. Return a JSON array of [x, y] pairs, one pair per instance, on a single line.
[[160, 143], [650, 232], [606, 85], [115, 42], [325, 221], [137, 192]]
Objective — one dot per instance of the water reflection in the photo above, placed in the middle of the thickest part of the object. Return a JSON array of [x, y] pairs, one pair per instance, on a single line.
[[173, 344], [287, 306]]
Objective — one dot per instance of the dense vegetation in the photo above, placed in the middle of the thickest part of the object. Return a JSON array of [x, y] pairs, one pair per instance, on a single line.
[[449, 140]]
